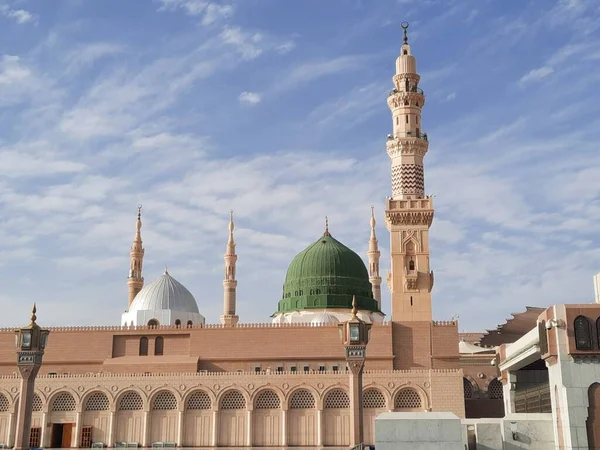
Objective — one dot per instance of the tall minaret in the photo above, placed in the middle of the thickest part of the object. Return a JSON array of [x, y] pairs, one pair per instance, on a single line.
[[373, 255], [135, 281], [229, 283], [409, 212]]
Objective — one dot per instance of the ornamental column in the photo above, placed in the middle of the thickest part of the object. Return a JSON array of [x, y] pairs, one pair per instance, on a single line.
[[229, 318], [409, 212], [135, 280], [31, 344]]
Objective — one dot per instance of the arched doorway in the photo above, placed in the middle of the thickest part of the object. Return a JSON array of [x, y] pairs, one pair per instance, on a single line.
[[96, 414], [232, 419], [130, 418], [267, 419], [593, 421], [336, 409], [198, 420], [373, 404], [164, 418], [63, 418], [302, 419]]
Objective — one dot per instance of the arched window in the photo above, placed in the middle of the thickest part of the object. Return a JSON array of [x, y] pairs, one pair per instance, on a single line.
[[190, 323], [144, 346], [408, 399], [495, 390], [178, 323], [159, 344], [153, 323], [598, 329], [3, 403], [583, 335], [411, 265], [467, 388]]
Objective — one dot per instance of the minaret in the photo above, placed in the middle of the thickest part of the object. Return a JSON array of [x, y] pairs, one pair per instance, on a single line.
[[409, 212], [373, 255], [229, 283], [135, 281]]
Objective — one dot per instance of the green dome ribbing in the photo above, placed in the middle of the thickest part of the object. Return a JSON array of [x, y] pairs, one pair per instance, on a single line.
[[327, 274]]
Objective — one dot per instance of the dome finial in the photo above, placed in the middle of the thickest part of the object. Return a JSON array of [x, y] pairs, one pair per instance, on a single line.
[[326, 227], [33, 316], [354, 310], [404, 26], [166, 270]]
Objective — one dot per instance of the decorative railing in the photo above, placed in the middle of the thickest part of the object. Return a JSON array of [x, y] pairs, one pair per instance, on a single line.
[[413, 89]]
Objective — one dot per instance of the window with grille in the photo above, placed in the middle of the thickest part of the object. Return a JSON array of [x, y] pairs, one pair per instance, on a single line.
[[86, 436], [199, 400], [63, 402], [408, 398], [467, 388], [164, 401], [337, 399], [34, 437], [267, 400], [583, 335], [36, 404], [543, 333], [373, 398], [495, 389], [302, 399], [144, 346], [3, 403], [159, 344], [131, 401], [98, 401], [233, 400]]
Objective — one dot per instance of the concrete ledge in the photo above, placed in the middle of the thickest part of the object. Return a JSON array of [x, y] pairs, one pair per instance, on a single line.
[[418, 431]]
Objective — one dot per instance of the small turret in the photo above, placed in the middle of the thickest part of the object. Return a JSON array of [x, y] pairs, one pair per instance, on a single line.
[[135, 280], [229, 317], [374, 255]]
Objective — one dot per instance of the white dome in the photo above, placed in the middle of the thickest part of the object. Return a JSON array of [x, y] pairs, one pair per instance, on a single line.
[[166, 293], [324, 318]]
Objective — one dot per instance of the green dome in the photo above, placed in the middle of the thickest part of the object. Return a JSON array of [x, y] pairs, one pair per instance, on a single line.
[[327, 274]]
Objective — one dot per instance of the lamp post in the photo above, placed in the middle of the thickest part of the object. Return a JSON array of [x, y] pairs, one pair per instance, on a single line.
[[30, 342], [355, 337]]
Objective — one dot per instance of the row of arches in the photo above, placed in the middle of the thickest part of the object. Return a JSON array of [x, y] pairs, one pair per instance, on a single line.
[[231, 419], [302, 398]]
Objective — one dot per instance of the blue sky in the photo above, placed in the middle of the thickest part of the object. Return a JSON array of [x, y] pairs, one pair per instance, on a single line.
[[277, 109]]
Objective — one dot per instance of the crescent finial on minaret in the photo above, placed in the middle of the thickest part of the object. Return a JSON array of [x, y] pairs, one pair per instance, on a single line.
[[404, 26]]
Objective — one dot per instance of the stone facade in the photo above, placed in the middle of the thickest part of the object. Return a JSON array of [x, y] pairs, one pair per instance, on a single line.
[[185, 383]]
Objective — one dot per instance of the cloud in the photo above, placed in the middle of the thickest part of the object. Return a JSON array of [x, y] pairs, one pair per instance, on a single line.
[[250, 98], [211, 12], [20, 16], [536, 75], [313, 70]]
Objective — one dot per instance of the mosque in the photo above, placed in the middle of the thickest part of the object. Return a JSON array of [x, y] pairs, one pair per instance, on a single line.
[[162, 376]]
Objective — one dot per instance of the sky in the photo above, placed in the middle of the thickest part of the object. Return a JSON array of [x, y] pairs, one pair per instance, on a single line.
[[277, 109]]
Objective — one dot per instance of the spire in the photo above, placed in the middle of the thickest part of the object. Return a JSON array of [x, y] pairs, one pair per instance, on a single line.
[[229, 317], [373, 255], [354, 310], [231, 228], [326, 227], [135, 281], [404, 26], [33, 316]]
